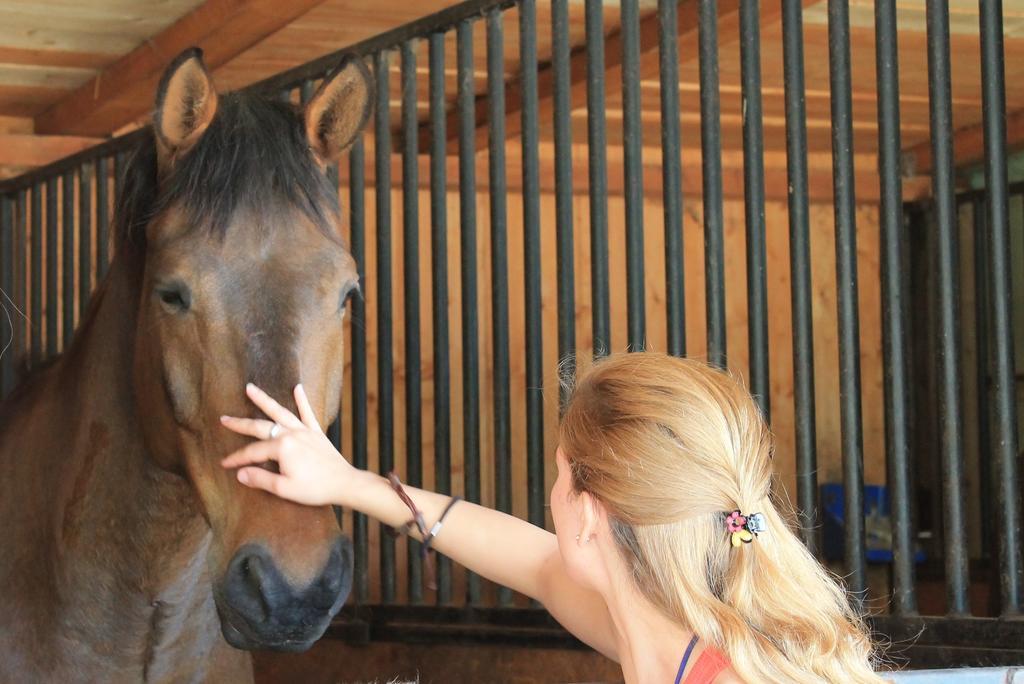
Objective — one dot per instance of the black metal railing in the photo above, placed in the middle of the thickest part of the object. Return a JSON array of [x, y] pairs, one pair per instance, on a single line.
[[458, 427]]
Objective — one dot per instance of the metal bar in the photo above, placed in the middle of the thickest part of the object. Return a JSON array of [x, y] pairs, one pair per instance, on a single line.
[[947, 282], [306, 91], [439, 292], [983, 357], [672, 175], [846, 294], [19, 350], [468, 274], [633, 171], [411, 306], [36, 287], [993, 89], [85, 269], [895, 369], [499, 271], [385, 338], [120, 161], [535, 492], [52, 270], [800, 273], [711, 167], [7, 247], [360, 417], [334, 436], [598, 173], [67, 271], [564, 228], [102, 219], [753, 194]]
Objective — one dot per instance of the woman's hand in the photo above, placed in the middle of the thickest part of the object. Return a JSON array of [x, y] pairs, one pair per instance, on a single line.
[[312, 472]]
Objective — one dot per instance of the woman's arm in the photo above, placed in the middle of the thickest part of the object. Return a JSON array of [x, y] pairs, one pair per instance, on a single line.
[[500, 547]]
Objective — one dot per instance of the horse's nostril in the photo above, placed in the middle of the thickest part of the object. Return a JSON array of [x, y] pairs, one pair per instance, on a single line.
[[332, 578], [252, 570], [252, 574], [337, 569]]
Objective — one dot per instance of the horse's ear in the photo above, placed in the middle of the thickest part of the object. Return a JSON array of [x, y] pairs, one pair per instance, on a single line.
[[340, 108], [186, 103]]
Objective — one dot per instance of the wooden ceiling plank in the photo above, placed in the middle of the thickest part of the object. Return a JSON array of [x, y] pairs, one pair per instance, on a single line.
[[222, 28]]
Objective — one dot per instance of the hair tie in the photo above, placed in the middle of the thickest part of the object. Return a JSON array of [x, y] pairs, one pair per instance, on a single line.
[[743, 528]]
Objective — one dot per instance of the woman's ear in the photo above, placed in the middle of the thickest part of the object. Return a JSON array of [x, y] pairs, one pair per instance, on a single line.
[[592, 518], [340, 108], [186, 103]]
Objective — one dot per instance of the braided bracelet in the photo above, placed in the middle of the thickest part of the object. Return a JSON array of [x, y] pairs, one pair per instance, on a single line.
[[420, 523]]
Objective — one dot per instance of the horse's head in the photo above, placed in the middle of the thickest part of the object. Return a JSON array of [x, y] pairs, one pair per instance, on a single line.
[[233, 223]]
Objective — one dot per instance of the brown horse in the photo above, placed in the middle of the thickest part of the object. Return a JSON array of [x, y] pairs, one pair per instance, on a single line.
[[127, 548]]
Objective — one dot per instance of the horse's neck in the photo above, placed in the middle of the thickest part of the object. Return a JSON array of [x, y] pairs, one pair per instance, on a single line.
[[106, 463], [129, 545]]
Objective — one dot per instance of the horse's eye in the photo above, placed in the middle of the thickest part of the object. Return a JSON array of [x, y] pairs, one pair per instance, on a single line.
[[346, 294], [176, 297]]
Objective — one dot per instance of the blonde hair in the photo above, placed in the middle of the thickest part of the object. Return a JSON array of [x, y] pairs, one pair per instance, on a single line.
[[669, 446]]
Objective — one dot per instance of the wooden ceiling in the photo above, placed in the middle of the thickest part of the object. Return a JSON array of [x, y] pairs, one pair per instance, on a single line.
[[73, 72]]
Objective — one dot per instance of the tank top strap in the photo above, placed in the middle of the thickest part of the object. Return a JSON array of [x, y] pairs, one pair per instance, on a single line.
[[686, 659]]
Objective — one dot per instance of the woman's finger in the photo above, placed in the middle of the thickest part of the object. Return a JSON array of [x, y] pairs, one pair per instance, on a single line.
[[258, 478], [274, 410], [306, 413], [250, 427], [257, 452]]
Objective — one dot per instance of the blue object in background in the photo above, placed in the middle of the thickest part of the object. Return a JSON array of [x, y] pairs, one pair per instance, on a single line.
[[877, 523]]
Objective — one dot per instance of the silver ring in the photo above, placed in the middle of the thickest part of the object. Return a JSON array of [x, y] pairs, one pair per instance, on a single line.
[[275, 430]]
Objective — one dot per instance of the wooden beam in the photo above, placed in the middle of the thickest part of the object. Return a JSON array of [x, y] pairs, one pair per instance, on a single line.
[[17, 100], [25, 150], [124, 90], [15, 124], [968, 144], [54, 58]]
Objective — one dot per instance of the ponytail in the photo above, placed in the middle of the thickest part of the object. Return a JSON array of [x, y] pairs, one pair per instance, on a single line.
[[670, 447]]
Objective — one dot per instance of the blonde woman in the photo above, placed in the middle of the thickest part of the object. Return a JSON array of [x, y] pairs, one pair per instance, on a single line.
[[669, 554]]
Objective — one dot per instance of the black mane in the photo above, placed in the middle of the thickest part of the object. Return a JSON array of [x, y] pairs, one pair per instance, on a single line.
[[253, 155]]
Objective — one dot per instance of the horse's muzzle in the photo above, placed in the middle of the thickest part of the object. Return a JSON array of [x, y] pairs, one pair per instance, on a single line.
[[260, 609]]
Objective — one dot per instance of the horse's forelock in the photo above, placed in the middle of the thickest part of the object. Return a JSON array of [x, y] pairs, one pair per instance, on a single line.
[[253, 156]]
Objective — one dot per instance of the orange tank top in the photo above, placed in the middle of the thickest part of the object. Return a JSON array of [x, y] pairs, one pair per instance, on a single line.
[[709, 665]]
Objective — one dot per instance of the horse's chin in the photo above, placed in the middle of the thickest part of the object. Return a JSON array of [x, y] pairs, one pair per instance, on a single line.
[[236, 638], [243, 639]]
